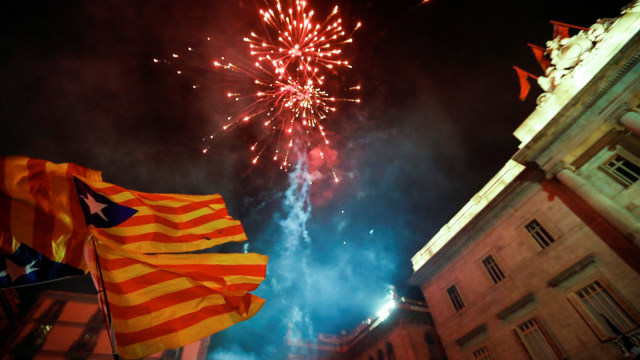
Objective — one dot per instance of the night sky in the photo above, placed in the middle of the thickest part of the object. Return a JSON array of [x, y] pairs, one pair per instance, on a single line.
[[439, 105]]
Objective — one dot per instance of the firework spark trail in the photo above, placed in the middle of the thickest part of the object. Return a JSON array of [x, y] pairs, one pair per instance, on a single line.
[[289, 109], [283, 84], [300, 42], [286, 93]]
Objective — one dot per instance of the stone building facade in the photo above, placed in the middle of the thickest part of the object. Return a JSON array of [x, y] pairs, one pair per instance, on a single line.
[[404, 330], [544, 262], [63, 325]]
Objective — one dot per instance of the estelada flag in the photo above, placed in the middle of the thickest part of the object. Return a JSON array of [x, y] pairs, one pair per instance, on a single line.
[[39, 208], [156, 299], [157, 223], [166, 301], [26, 266]]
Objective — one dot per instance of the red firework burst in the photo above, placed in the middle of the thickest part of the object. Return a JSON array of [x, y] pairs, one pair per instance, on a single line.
[[284, 87]]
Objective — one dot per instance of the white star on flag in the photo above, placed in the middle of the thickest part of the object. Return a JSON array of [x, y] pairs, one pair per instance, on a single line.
[[94, 206], [15, 271]]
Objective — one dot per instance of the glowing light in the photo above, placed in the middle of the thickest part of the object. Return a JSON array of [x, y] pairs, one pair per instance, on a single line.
[[301, 42], [386, 310]]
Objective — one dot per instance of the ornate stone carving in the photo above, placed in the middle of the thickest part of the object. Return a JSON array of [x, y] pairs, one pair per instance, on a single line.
[[554, 75], [543, 99], [568, 53], [596, 31], [634, 6]]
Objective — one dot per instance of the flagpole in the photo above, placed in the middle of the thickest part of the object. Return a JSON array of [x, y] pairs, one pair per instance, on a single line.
[[107, 316], [568, 25]]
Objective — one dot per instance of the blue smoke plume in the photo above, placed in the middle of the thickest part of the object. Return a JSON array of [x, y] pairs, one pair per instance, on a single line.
[[292, 269]]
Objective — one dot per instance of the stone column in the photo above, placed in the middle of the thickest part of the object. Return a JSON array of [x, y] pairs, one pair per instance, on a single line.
[[631, 121], [616, 215]]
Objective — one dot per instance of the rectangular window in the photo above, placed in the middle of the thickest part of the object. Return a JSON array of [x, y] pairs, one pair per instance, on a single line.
[[539, 234], [30, 344], [604, 309], [428, 319], [482, 354], [455, 297], [535, 342], [493, 269], [623, 169], [84, 345]]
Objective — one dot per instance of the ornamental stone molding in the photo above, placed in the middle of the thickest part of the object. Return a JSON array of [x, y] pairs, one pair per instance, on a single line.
[[634, 6], [567, 54]]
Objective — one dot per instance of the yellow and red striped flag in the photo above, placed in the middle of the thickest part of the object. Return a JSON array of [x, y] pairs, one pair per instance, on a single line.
[[158, 294], [38, 208], [166, 301], [157, 301], [157, 223]]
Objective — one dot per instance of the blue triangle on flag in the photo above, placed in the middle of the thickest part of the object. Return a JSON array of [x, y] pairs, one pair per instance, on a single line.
[[99, 210], [27, 266]]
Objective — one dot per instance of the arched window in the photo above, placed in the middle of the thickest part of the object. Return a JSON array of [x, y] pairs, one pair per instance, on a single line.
[[380, 355], [391, 355]]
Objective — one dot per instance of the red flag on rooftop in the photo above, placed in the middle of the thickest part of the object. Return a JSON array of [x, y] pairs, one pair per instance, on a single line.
[[38, 208], [523, 76], [562, 30], [166, 301], [538, 52]]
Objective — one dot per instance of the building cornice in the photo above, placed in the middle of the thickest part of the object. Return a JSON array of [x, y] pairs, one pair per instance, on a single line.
[[604, 55], [516, 306], [474, 333], [433, 257]]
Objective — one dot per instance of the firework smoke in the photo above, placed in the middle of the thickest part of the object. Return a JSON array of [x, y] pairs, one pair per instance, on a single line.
[[293, 270]]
